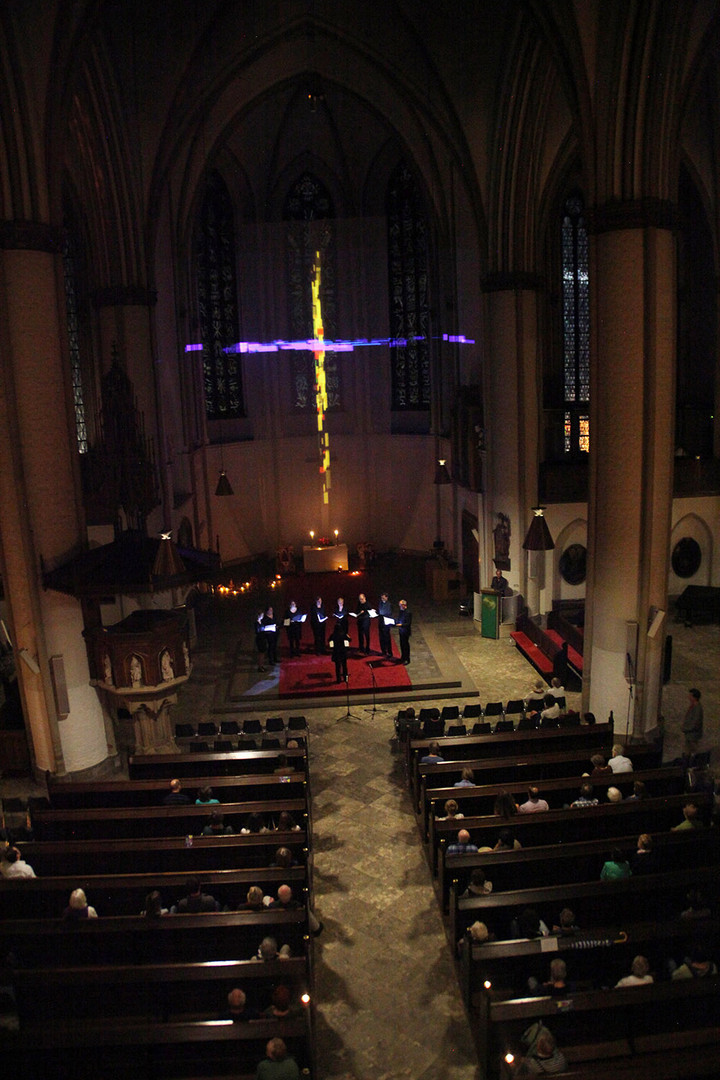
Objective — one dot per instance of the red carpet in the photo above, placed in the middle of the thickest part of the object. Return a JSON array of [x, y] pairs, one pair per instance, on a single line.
[[309, 674]]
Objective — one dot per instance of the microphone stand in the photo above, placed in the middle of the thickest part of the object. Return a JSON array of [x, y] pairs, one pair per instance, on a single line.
[[348, 715], [630, 681]]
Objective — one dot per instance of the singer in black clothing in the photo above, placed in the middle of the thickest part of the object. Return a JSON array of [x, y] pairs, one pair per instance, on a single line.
[[318, 618], [384, 609], [404, 625], [363, 621], [293, 627], [339, 644]]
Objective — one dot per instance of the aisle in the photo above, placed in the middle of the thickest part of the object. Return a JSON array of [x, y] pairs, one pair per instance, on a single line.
[[388, 1001]]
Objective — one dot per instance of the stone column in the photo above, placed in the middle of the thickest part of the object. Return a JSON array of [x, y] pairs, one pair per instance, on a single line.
[[633, 296], [42, 517], [512, 393]]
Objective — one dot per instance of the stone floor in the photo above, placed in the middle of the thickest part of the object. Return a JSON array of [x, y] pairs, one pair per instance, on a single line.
[[387, 1000]]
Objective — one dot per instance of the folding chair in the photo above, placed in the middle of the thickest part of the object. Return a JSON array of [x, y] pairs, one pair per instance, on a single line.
[[494, 708], [456, 729], [472, 711], [229, 727], [482, 727], [274, 723], [184, 731], [297, 723]]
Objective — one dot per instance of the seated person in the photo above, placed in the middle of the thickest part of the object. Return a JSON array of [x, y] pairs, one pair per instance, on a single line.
[[478, 886], [505, 806], [529, 925], [433, 754], [284, 858], [254, 823], [616, 868], [284, 765], [586, 797], [534, 804], [451, 810], [541, 1053], [536, 695], [645, 860], [639, 791], [268, 951], [462, 845], [206, 798], [551, 709], [697, 966], [698, 907], [281, 1006], [599, 767], [614, 795], [154, 906], [78, 908], [195, 901], [238, 1009], [14, 866], [639, 973], [467, 779], [176, 796], [618, 762], [691, 818], [506, 841], [556, 985], [278, 1065], [254, 901], [286, 823], [216, 825], [556, 689], [566, 924]]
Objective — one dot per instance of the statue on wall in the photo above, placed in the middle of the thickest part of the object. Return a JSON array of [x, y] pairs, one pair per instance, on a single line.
[[167, 671], [136, 671], [501, 534]]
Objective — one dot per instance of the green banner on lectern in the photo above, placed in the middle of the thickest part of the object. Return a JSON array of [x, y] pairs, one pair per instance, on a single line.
[[490, 613]]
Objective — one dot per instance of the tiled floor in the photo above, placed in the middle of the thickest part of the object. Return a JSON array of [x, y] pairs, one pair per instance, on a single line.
[[387, 1001]]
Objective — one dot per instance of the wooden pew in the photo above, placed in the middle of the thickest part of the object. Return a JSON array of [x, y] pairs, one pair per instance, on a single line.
[[236, 763], [136, 1050], [138, 855], [525, 769], [86, 795], [118, 894], [564, 826], [680, 1019], [580, 860], [143, 821], [480, 798], [661, 896], [161, 992], [133, 939], [592, 956], [510, 744]]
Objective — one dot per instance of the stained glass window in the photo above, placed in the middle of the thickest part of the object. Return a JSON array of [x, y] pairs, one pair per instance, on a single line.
[[309, 213], [73, 267], [217, 293], [576, 322], [408, 274]]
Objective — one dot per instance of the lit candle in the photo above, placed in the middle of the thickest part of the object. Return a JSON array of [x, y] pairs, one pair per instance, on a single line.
[[336, 535], [312, 535]]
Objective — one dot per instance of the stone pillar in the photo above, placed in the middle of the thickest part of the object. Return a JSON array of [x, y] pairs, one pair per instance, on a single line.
[[512, 393], [42, 518], [633, 296]]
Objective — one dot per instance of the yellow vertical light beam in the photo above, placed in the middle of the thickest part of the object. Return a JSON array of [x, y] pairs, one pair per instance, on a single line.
[[321, 394]]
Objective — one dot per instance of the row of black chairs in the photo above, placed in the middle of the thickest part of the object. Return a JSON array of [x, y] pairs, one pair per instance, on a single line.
[[208, 729], [227, 746], [434, 723]]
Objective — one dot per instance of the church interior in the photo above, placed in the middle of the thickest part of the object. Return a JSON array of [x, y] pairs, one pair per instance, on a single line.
[[326, 294]]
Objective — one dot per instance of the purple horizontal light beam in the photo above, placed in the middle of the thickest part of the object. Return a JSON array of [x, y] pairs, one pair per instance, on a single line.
[[320, 344]]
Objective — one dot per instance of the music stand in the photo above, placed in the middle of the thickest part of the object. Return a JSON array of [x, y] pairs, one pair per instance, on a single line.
[[372, 664], [348, 715]]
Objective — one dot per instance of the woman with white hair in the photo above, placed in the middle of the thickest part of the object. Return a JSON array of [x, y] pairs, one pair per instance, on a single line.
[[639, 973], [78, 908]]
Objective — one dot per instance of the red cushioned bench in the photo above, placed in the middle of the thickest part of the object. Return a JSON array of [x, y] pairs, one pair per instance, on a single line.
[[575, 659], [533, 652]]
